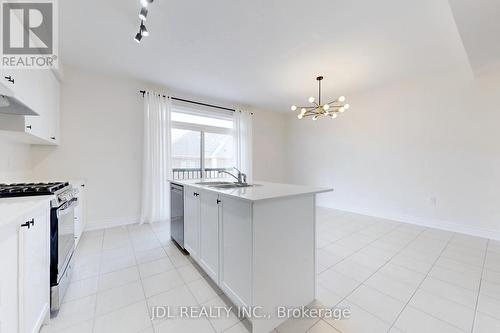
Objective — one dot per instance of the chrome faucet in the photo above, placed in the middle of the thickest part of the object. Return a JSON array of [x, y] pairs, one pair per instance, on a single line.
[[242, 178]]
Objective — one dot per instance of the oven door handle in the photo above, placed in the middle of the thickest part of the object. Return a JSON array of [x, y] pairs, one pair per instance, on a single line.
[[70, 205]]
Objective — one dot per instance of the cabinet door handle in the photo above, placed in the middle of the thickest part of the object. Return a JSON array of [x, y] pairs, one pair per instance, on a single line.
[[27, 224], [218, 201], [10, 79], [196, 194], [29, 126], [53, 137]]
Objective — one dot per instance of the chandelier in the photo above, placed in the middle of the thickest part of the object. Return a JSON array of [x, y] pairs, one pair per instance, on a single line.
[[317, 109]]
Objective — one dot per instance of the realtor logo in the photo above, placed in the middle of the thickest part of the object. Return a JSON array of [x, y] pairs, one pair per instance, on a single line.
[[29, 34]]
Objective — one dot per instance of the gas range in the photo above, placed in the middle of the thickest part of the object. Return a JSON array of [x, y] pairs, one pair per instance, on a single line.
[[62, 230], [62, 191]]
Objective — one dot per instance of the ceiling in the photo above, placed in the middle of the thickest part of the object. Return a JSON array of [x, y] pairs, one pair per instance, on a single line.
[[267, 53]]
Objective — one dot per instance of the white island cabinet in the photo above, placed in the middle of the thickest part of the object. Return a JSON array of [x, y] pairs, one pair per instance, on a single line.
[[256, 243], [25, 258]]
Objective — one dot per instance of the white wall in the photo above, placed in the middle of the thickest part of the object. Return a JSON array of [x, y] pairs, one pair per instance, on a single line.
[[269, 145], [14, 161], [425, 152], [101, 142]]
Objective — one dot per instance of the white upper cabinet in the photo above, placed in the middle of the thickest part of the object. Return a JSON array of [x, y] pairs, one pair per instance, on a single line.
[[39, 89], [209, 234], [192, 222]]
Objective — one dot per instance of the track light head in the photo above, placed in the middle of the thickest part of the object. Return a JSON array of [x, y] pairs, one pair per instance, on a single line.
[[138, 37], [143, 30], [143, 14]]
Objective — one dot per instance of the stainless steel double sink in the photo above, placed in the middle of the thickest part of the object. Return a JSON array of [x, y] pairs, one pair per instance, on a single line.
[[224, 185]]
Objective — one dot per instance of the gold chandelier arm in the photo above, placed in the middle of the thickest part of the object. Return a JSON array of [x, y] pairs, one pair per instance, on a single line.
[[332, 104]]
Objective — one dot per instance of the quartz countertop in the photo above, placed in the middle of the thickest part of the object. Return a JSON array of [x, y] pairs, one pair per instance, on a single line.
[[12, 209], [261, 191]]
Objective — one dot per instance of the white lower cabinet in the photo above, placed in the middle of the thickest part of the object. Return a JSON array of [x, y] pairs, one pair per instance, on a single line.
[[236, 250], [25, 275], [260, 253], [209, 234], [192, 223], [218, 236]]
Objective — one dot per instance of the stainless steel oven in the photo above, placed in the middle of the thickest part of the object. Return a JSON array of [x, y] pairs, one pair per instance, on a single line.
[[62, 246], [62, 230]]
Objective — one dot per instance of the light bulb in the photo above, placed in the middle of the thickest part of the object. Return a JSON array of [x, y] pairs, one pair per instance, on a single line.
[[347, 106], [341, 98], [315, 117], [333, 115], [300, 116], [293, 108], [326, 107], [341, 109], [311, 99]]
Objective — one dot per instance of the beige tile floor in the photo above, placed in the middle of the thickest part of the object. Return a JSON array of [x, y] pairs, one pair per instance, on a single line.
[[393, 277]]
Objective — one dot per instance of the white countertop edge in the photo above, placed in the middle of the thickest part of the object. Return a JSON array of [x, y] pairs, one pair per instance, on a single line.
[[12, 209], [256, 193]]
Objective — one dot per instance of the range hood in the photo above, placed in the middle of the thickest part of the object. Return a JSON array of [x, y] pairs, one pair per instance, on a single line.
[[11, 105]]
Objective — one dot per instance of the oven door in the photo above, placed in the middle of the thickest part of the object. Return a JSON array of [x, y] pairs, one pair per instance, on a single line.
[[65, 234]]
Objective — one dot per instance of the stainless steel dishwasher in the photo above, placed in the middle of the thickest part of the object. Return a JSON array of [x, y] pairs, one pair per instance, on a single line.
[[177, 214]]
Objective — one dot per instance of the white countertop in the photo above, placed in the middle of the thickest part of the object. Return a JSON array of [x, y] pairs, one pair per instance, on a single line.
[[261, 190], [12, 209]]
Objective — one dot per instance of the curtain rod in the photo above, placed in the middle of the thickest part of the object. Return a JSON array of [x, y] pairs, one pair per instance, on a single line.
[[143, 92]]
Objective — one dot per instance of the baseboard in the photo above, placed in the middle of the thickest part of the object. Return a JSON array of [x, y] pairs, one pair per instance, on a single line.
[[424, 222], [110, 223]]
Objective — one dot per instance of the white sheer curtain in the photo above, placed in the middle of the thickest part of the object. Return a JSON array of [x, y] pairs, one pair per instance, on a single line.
[[156, 159], [243, 135]]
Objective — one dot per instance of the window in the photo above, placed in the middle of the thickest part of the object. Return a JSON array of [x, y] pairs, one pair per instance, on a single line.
[[202, 142]]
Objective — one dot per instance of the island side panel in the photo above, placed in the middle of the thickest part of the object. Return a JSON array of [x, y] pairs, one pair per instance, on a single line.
[[284, 255]]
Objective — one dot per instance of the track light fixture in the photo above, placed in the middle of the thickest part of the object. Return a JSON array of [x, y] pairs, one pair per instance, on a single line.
[[145, 3], [143, 31], [143, 14], [138, 37]]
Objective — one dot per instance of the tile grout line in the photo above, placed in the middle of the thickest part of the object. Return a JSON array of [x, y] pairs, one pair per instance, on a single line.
[[344, 237], [362, 248], [420, 284], [98, 280], [185, 283], [175, 268], [140, 280], [383, 265], [99, 277], [480, 284], [362, 283]]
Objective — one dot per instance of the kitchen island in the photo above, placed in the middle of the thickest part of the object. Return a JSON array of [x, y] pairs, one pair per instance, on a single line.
[[256, 243]]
